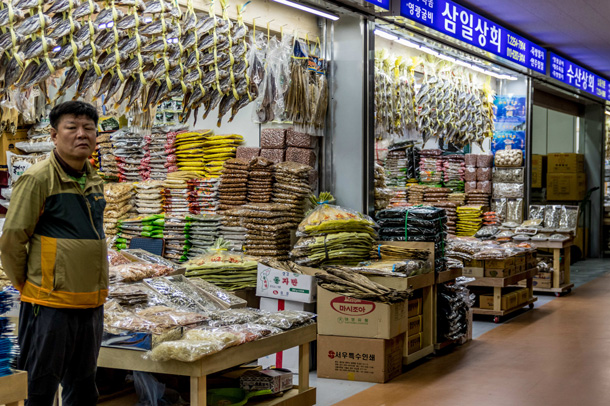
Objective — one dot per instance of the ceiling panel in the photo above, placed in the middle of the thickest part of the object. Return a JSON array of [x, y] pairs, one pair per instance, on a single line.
[[578, 29]]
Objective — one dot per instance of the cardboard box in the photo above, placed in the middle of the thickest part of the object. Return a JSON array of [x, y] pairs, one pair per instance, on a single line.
[[487, 302], [276, 380], [524, 295], [499, 272], [543, 283], [566, 163], [414, 307], [512, 300], [360, 359], [474, 272], [566, 186], [520, 260], [500, 263], [415, 326], [474, 263], [413, 343], [278, 284], [539, 171], [345, 316], [7, 143]]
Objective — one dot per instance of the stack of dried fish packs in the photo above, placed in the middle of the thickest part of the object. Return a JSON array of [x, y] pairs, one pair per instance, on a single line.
[[434, 195], [478, 197], [128, 294], [453, 171], [470, 220], [160, 153], [176, 233], [119, 202], [205, 229], [457, 198], [383, 194], [389, 252], [269, 226], [137, 271], [233, 187], [394, 268], [217, 149], [346, 282], [260, 180], [431, 165], [337, 248], [176, 192], [129, 151], [148, 197], [108, 162], [292, 186], [233, 231], [189, 151], [203, 195], [227, 270]]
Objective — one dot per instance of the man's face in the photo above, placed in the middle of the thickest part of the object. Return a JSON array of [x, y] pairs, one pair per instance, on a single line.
[[74, 137]]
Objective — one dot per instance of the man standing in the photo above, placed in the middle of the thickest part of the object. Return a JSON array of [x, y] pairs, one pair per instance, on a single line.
[[54, 252]]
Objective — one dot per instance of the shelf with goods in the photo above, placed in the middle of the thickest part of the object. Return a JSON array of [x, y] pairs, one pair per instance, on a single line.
[[14, 388], [556, 247], [498, 284], [303, 395]]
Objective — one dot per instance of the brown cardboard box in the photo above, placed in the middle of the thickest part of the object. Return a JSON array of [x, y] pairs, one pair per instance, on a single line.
[[499, 272], [360, 359], [538, 171], [415, 325], [487, 302], [499, 263], [7, 143], [566, 163], [346, 316], [566, 186], [520, 260], [474, 272], [276, 380], [414, 343], [474, 263], [414, 307], [543, 283], [512, 300], [524, 295]]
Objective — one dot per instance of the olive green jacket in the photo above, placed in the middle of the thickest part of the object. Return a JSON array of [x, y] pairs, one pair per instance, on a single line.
[[53, 244]]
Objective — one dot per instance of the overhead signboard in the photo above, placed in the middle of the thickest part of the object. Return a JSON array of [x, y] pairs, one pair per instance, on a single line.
[[462, 24], [571, 74], [384, 4]]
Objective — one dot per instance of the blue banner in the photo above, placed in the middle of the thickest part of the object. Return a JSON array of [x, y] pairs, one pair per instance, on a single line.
[[511, 116], [578, 77], [384, 4], [460, 23]]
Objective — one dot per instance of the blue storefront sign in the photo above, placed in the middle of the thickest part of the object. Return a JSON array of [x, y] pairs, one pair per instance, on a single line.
[[384, 4], [510, 123], [571, 74], [460, 23]]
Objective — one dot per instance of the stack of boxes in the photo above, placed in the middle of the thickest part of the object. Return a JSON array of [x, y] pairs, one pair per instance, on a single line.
[[566, 179], [513, 298], [500, 268], [279, 145]]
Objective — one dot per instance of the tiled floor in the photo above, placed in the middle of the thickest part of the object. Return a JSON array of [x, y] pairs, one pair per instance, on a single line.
[[331, 391]]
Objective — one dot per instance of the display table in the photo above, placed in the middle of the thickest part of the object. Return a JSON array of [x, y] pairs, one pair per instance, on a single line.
[[14, 389], [556, 247], [497, 284], [233, 356]]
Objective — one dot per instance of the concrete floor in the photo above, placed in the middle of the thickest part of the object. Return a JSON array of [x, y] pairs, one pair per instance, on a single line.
[[330, 391]]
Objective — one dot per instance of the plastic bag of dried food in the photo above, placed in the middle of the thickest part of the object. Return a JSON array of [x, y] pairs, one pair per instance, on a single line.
[[116, 258], [507, 190], [499, 207], [150, 258], [195, 345], [487, 232], [509, 157], [224, 298], [483, 174], [236, 316], [470, 174], [514, 211], [568, 220], [18, 164], [326, 218], [508, 175], [470, 160], [136, 271], [537, 212], [179, 291], [286, 319], [423, 213], [552, 215]]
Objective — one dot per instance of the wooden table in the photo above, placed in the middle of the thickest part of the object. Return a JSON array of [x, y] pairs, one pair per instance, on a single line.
[[14, 389], [303, 395], [556, 246], [497, 284]]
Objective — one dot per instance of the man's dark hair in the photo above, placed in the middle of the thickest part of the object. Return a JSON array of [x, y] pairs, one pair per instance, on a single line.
[[77, 108]]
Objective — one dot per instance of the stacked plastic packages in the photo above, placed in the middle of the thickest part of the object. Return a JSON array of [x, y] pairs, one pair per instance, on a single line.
[[129, 152], [260, 180], [8, 340], [108, 162], [454, 303], [143, 226], [159, 153], [383, 194], [176, 233], [203, 233], [189, 151], [422, 224], [269, 226], [217, 149], [232, 231], [478, 179], [233, 188], [118, 204], [470, 220], [176, 192], [148, 197], [431, 165], [332, 235], [291, 187], [203, 195], [453, 172]]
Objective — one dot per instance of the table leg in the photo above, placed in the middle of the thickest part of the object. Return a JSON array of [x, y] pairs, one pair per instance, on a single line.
[[303, 367], [567, 258], [530, 287], [497, 298], [556, 266], [198, 391]]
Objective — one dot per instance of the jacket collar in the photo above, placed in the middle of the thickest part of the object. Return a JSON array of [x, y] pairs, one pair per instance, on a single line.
[[92, 178]]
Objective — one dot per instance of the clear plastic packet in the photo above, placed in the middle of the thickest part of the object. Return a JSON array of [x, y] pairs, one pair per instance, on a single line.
[[236, 316], [326, 218], [224, 298], [484, 186], [485, 160], [182, 294], [499, 206], [552, 216], [483, 175], [487, 232], [470, 160], [137, 271], [470, 174], [286, 319], [558, 237], [514, 211], [508, 190], [508, 175], [470, 187], [195, 344], [116, 258], [537, 212], [569, 218], [18, 164], [509, 157]]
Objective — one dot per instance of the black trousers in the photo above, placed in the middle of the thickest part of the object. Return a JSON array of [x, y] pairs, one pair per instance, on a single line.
[[60, 346]]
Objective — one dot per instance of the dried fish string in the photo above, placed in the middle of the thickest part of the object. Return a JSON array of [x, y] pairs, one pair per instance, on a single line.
[[215, 46], [240, 23]]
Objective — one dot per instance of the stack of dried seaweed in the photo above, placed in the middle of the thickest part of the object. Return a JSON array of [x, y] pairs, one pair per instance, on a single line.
[[348, 283]]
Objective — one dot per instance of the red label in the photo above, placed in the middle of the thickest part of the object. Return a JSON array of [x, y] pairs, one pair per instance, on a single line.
[[352, 307]]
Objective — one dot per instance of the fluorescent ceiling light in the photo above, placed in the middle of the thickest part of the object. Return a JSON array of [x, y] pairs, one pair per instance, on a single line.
[[607, 113], [386, 35], [407, 43], [308, 9]]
